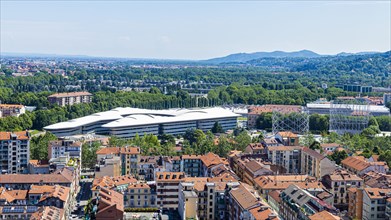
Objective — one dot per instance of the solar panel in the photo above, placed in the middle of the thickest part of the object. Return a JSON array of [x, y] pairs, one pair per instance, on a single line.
[[6, 209], [31, 209]]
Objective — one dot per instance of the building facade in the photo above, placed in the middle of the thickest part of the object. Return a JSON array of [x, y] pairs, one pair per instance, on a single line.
[[64, 99], [11, 110], [374, 203], [15, 152]]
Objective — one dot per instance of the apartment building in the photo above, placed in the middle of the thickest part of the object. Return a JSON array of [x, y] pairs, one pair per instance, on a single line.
[[374, 203], [377, 180], [167, 188], [38, 167], [148, 166], [315, 164], [338, 183], [21, 204], [241, 200], [388, 209], [270, 142], [287, 157], [110, 165], [265, 184], [61, 147], [14, 152], [119, 184], [208, 194], [287, 138], [255, 148], [130, 158], [139, 195], [109, 205], [64, 99], [355, 202], [359, 165], [191, 165], [11, 110], [297, 203], [48, 212], [172, 163]]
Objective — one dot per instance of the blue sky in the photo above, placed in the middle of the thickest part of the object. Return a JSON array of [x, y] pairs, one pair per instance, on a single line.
[[193, 29]]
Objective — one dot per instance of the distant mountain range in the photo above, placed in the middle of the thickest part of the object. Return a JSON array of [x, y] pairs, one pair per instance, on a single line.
[[232, 58], [244, 57]]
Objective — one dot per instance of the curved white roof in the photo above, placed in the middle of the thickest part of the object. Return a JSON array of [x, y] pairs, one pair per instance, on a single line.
[[371, 108], [120, 117]]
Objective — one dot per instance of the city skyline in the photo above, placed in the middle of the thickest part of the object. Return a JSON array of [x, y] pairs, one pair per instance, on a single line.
[[193, 30]]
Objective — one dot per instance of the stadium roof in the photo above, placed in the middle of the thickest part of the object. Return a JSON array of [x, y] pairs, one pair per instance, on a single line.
[[371, 108], [121, 117]]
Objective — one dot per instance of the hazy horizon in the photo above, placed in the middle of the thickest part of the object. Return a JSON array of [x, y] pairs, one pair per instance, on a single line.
[[193, 30]]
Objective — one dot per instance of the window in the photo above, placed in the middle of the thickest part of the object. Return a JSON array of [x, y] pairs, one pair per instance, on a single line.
[[210, 210]]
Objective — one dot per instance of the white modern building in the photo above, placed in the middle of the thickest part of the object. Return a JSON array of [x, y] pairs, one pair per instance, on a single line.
[[324, 108], [127, 122]]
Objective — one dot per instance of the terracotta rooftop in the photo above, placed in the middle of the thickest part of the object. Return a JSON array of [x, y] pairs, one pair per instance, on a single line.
[[271, 108], [275, 194], [139, 186], [343, 175], [59, 192], [313, 153], [284, 181], [254, 166], [47, 213], [187, 157], [20, 135], [260, 213], [62, 176], [286, 134], [359, 163], [169, 176], [69, 94], [111, 182], [324, 215], [199, 182], [210, 159], [118, 150], [256, 146], [110, 198], [244, 197], [376, 193], [10, 106], [39, 163]]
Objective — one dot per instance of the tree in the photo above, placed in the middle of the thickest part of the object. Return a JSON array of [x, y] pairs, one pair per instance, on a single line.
[[338, 156], [39, 146], [264, 121], [217, 128], [223, 147], [386, 156], [307, 140], [242, 140], [88, 154]]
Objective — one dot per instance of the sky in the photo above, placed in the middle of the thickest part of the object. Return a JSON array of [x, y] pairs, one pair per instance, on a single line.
[[193, 29]]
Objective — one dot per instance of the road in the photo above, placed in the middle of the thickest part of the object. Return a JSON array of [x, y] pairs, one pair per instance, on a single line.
[[82, 198]]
